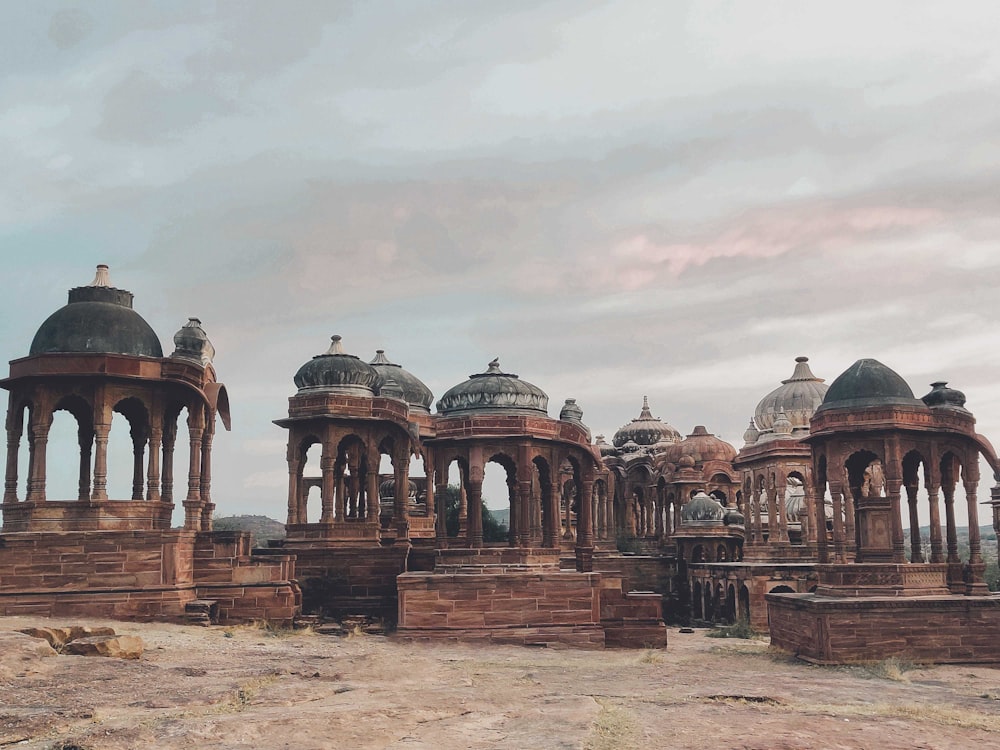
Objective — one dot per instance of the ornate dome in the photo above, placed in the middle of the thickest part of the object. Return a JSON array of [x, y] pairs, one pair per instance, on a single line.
[[338, 372], [646, 430], [417, 395], [604, 446], [98, 319], [702, 508], [702, 446], [943, 396], [191, 342], [387, 489], [798, 397], [491, 391], [868, 383]]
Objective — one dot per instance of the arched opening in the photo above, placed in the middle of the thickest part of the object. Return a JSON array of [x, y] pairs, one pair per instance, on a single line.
[[127, 451], [455, 501], [796, 512], [499, 508], [719, 603], [71, 433], [569, 500], [721, 555], [919, 549], [17, 488], [351, 484], [544, 521], [782, 589], [697, 603], [310, 480], [730, 611], [698, 554]]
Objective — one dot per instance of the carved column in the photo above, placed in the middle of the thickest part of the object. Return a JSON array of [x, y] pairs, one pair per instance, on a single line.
[[101, 432], [837, 493], [782, 511], [205, 485], [328, 466], [401, 511], [584, 520], [192, 504], [524, 501], [86, 440], [819, 513], [138, 463], [440, 521], [294, 472], [354, 486], [937, 550], [37, 478], [169, 439], [340, 489], [955, 582], [976, 584], [371, 488], [463, 507], [153, 466], [552, 522], [916, 549], [13, 447], [475, 520]]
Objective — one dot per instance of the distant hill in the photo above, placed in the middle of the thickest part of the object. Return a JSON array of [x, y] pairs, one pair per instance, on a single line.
[[261, 528], [502, 516]]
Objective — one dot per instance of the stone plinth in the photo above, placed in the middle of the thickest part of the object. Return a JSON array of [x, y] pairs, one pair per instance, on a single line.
[[932, 629], [114, 515], [883, 579]]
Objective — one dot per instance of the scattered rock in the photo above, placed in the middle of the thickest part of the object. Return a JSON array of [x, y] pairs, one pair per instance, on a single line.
[[114, 646], [59, 637]]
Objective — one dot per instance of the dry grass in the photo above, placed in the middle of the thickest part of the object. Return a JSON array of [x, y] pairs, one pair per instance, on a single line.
[[614, 728], [893, 668], [944, 715]]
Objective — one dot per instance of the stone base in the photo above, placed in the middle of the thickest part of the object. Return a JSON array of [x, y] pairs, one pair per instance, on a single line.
[[533, 606], [103, 515], [143, 575], [883, 579], [928, 629]]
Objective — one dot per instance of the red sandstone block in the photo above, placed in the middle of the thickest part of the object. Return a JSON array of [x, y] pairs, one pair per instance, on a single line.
[[515, 605], [494, 619]]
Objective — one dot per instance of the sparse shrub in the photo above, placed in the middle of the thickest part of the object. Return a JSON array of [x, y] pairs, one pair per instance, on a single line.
[[740, 629]]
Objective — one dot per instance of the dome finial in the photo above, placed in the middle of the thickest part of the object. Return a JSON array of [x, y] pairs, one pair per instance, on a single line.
[[335, 346], [101, 278], [645, 413], [494, 366]]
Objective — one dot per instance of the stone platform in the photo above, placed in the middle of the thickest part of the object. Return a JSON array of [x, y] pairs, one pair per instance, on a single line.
[[522, 597], [143, 575], [844, 629]]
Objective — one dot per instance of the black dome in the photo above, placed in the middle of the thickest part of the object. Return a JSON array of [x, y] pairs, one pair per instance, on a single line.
[[98, 320], [494, 390], [868, 383], [415, 393], [338, 372]]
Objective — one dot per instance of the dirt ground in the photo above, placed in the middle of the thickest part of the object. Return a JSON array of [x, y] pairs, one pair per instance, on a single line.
[[247, 687]]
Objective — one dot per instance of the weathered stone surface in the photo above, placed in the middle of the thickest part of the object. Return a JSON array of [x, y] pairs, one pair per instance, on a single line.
[[115, 646]]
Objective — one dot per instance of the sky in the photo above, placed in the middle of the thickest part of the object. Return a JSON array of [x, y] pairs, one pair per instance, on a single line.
[[618, 199]]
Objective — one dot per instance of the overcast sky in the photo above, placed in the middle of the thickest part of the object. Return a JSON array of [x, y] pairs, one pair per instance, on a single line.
[[618, 199]]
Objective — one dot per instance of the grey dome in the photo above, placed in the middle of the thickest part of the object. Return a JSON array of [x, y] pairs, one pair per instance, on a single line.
[[98, 319], [191, 342], [702, 507], [798, 397], [646, 430], [868, 383], [492, 391], [338, 372], [417, 395]]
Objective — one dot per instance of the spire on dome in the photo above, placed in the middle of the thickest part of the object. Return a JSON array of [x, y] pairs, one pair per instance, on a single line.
[[101, 278]]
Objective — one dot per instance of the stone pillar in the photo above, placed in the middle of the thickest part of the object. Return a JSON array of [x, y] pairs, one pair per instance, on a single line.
[[463, 507], [916, 549], [294, 468], [153, 465], [169, 439], [400, 501], [371, 490], [429, 493], [585, 528], [328, 465], [819, 513], [658, 528], [101, 432], [976, 580], [552, 522], [474, 535], [441, 519], [955, 582], [138, 464], [782, 510], [837, 493], [354, 487], [937, 550], [192, 504], [36, 479], [340, 490], [524, 501], [86, 441], [10, 478], [893, 487], [850, 531], [205, 485]]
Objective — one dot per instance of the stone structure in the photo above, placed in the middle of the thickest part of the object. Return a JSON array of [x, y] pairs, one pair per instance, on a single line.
[[871, 441], [96, 555]]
